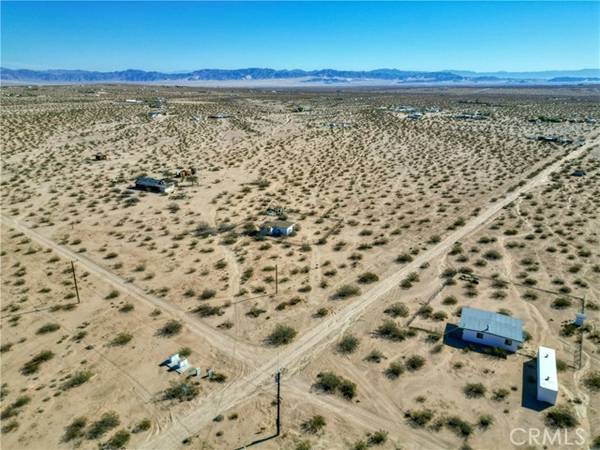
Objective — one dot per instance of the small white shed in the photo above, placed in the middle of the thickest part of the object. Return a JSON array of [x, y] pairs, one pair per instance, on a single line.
[[547, 379]]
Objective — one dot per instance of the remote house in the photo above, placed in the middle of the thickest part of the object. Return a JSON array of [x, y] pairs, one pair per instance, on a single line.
[[491, 329], [154, 185], [277, 228], [547, 379]]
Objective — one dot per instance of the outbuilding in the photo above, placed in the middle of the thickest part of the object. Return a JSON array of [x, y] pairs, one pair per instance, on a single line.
[[491, 329], [547, 379], [277, 228], [154, 185]]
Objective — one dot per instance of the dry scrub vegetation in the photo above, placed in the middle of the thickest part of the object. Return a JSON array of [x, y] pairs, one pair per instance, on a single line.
[[369, 190]]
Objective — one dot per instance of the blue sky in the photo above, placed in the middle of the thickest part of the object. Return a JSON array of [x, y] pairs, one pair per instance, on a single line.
[[173, 36]]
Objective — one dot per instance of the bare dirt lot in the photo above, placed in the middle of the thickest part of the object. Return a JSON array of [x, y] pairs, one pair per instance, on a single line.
[[406, 204]]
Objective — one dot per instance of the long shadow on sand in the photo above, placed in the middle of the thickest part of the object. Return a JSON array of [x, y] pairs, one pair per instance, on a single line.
[[529, 387]]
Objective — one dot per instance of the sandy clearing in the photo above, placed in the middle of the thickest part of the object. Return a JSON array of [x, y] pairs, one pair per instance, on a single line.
[[320, 336]]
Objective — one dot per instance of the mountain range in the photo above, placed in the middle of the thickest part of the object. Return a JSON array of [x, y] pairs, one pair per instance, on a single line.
[[323, 76]]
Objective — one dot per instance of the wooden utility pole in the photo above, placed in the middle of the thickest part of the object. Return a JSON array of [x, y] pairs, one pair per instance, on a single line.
[[75, 281], [278, 419]]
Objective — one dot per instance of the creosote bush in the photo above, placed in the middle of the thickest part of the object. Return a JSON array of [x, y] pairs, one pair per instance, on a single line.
[[561, 416], [281, 335], [183, 391]]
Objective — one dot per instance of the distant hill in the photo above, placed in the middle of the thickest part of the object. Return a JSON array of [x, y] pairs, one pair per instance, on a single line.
[[324, 76]]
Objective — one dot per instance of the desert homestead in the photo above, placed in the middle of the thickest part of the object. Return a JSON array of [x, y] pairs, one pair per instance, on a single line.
[[491, 329], [547, 379], [154, 185], [277, 228]]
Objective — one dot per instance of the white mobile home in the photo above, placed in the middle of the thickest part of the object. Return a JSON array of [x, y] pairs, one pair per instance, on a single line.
[[547, 378], [491, 329]]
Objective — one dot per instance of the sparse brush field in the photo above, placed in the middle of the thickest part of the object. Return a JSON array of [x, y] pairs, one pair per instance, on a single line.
[[369, 191]]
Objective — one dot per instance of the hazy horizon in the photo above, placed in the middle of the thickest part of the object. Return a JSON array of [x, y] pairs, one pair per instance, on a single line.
[[179, 37]]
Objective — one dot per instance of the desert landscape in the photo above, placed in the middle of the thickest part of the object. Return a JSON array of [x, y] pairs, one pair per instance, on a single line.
[[327, 238]]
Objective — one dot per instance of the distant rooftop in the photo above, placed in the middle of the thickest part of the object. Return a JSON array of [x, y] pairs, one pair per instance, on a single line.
[[492, 323]]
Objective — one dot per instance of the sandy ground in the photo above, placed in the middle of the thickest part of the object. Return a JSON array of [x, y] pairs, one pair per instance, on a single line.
[[364, 184]]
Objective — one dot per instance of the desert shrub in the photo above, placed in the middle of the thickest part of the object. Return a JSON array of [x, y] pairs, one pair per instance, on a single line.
[[281, 335], [75, 429], [218, 377], [120, 340], [348, 389], [561, 366], [408, 281], [117, 441], [181, 390], [390, 330], [439, 315], [360, 445], [142, 425], [367, 277], [13, 409], [415, 362], [459, 426], [127, 307], [485, 421], [330, 382], [492, 255], [77, 379], [208, 310], [377, 438], [404, 258], [394, 370], [346, 291], [184, 352], [397, 310], [474, 390], [560, 417], [561, 303], [171, 328], [303, 445], [207, 294], [374, 356], [592, 381], [9, 426], [33, 365], [314, 424], [6, 347], [48, 328], [450, 300], [107, 421], [419, 418], [321, 312], [348, 344], [500, 394], [255, 312], [112, 294]]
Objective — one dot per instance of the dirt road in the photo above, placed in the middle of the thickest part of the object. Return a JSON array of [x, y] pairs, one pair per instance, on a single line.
[[244, 352], [299, 353]]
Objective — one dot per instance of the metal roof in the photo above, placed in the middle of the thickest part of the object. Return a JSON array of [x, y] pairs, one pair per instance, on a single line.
[[492, 323]]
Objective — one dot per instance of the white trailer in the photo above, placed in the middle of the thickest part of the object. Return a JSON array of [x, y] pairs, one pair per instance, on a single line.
[[547, 379]]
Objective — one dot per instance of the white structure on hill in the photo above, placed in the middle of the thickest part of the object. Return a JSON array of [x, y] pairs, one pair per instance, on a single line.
[[547, 379]]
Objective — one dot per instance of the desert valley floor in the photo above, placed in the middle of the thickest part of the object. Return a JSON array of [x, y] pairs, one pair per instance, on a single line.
[[408, 204]]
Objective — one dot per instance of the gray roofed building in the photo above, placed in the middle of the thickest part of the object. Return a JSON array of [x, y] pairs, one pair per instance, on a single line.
[[492, 323]]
